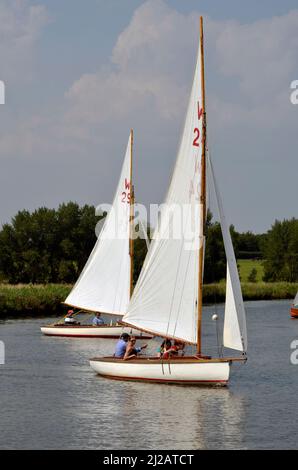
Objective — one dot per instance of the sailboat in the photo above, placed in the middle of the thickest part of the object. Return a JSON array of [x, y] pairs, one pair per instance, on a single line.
[[294, 307], [167, 299], [106, 282]]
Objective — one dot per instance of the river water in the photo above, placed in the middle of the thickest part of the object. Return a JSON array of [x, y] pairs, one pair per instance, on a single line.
[[51, 399]]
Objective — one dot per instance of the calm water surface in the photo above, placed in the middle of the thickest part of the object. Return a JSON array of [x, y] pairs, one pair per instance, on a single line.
[[51, 399]]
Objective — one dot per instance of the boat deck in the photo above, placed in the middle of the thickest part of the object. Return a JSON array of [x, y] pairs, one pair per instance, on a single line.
[[172, 360]]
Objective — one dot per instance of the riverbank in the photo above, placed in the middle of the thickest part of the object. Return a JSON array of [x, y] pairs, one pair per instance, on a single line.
[[45, 300], [215, 293], [32, 299]]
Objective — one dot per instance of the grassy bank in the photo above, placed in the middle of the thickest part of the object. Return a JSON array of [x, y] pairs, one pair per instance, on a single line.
[[214, 293], [27, 299], [39, 300]]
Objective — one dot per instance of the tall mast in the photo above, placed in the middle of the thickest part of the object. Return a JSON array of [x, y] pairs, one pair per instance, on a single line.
[[203, 195], [131, 218]]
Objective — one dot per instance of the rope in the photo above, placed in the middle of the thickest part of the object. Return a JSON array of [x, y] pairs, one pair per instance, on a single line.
[[61, 321]]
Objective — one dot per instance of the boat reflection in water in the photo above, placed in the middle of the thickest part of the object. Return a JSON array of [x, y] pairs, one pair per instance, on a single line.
[[177, 417]]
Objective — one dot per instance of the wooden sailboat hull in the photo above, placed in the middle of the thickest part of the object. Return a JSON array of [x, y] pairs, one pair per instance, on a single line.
[[183, 371], [294, 312], [90, 331]]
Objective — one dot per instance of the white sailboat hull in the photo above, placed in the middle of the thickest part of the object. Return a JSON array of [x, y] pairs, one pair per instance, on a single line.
[[185, 371], [86, 331]]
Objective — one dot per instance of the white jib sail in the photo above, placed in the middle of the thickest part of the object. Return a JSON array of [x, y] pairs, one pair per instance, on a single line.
[[165, 298], [104, 284], [234, 334]]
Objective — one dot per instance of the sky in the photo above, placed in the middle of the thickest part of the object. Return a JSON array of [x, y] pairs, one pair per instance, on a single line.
[[79, 75]]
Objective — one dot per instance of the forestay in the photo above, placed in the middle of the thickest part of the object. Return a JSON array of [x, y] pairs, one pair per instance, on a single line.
[[164, 301], [104, 284], [234, 334]]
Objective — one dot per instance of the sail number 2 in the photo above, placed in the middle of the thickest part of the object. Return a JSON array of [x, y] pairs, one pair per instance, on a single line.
[[194, 187], [196, 129]]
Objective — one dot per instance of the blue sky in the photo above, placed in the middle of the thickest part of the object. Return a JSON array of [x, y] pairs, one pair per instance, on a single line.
[[80, 74]]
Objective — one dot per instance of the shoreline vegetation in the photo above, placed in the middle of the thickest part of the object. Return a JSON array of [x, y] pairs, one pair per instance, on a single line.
[[33, 300]]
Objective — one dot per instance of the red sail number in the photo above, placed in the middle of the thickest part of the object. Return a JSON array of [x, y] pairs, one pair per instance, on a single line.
[[125, 197], [196, 139], [200, 111], [196, 130]]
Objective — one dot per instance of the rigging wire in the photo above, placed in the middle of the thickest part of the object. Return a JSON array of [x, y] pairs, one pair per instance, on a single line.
[[215, 298]]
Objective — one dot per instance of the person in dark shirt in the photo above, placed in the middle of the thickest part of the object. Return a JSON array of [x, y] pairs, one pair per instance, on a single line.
[[132, 350], [165, 346]]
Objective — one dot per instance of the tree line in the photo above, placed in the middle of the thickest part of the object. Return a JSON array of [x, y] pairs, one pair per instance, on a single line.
[[53, 245]]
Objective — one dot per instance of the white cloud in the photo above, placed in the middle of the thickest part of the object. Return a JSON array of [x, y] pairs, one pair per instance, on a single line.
[[146, 85], [259, 59], [20, 27], [153, 58], [261, 54]]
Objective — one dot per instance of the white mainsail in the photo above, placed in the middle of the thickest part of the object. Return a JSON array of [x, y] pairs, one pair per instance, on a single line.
[[234, 334], [104, 284], [165, 298], [296, 300]]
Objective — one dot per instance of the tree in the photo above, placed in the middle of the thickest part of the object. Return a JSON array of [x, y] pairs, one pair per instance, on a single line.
[[280, 251], [47, 245], [248, 245], [215, 259], [140, 252], [252, 277]]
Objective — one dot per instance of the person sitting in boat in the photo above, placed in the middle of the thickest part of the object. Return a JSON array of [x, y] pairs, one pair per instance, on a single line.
[[97, 320], [132, 350], [121, 345], [165, 346], [69, 319], [174, 350]]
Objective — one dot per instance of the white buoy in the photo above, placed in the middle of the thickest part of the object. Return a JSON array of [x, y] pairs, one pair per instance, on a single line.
[[215, 318]]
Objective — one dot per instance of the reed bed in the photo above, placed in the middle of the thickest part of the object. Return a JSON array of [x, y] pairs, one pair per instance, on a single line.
[[45, 300], [214, 293], [32, 299]]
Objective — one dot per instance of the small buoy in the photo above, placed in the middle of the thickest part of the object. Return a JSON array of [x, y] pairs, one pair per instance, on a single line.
[[214, 317]]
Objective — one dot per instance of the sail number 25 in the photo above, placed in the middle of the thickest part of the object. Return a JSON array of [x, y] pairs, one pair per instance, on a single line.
[[125, 196]]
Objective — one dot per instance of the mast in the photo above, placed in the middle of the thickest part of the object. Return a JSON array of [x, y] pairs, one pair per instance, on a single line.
[[131, 218], [203, 195]]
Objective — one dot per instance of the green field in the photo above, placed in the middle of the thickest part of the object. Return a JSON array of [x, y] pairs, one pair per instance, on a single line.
[[247, 265]]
